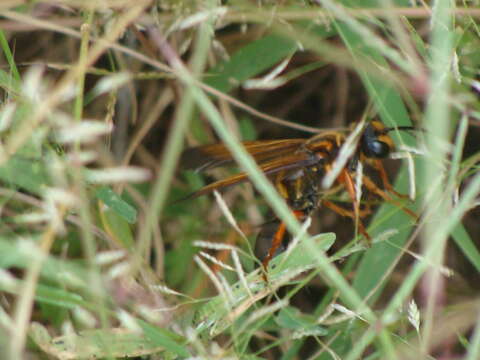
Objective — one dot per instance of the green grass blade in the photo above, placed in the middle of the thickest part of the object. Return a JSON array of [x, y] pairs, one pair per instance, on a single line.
[[9, 56], [95, 343], [215, 315], [24, 173], [117, 204], [466, 244], [393, 112], [165, 338], [264, 52]]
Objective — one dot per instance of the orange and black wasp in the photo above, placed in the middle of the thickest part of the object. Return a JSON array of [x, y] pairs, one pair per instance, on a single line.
[[297, 168]]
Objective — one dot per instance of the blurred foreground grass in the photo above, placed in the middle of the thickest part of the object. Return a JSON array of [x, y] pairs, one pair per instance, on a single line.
[[98, 101]]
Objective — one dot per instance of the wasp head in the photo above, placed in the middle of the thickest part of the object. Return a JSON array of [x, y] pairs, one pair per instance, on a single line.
[[375, 142]]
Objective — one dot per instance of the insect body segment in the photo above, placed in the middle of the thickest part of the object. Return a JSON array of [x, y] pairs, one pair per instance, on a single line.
[[297, 167]]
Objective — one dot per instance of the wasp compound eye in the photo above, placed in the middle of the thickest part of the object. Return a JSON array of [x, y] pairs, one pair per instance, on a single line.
[[377, 149]]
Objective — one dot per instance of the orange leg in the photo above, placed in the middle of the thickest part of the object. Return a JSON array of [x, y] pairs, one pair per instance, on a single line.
[[346, 179], [377, 164], [371, 186], [278, 239], [347, 213]]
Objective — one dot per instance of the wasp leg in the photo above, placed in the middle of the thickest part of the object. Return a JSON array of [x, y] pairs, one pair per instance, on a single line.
[[276, 243], [346, 179], [265, 237], [347, 213], [377, 164], [371, 186], [278, 240]]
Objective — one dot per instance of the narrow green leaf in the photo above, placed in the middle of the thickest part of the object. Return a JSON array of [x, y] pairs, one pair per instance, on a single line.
[[117, 227], [214, 315], [378, 259], [53, 296], [25, 173], [465, 243], [167, 339], [8, 83], [117, 204], [393, 112], [9, 56], [59, 297], [250, 61], [94, 344], [291, 318]]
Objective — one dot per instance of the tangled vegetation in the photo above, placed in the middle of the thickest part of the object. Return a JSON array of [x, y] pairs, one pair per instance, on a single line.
[[101, 257]]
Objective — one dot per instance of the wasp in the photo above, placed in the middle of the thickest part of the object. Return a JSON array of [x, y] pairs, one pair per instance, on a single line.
[[298, 167]]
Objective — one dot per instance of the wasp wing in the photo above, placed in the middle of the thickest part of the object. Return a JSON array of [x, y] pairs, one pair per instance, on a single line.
[[285, 163], [205, 157]]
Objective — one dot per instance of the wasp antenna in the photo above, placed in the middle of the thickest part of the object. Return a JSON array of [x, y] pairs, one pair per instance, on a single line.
[[404, 128], [192, 195]]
